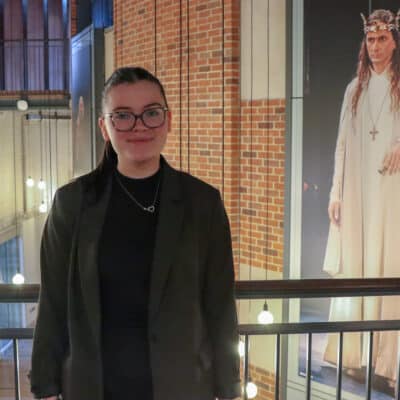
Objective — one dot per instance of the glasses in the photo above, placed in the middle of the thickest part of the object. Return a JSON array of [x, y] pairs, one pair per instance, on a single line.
[[124, 121]]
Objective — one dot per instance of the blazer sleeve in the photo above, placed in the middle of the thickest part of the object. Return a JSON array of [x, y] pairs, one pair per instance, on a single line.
[[220, 308], [50, 342]]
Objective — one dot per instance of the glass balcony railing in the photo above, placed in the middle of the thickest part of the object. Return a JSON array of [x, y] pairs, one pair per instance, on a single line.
[[34, 65]]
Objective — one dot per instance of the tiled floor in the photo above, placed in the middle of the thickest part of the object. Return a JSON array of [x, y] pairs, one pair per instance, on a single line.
[[325, 373]]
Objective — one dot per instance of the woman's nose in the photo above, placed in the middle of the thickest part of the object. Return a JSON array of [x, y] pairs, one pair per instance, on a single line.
[[138, 124]]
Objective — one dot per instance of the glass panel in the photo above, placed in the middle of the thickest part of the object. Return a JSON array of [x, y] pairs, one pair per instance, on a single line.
[[38, 53], [11, 315], [7, 370]]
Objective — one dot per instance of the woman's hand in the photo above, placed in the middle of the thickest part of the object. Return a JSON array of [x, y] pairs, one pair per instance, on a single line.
[[334, 212], [391, 162]]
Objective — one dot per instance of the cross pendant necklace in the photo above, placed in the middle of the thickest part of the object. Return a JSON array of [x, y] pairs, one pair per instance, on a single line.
[[373, 132]]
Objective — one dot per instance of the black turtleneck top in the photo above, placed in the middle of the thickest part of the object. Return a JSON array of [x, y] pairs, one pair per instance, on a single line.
[[125, 259]]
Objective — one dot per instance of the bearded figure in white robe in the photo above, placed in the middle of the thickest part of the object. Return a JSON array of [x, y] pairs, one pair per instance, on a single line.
[[364, 206]]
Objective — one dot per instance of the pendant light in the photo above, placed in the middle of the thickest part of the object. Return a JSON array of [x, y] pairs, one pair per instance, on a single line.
[[265, 316], [18, 278], [29, 181], [43, 207], [251, 389], [41, 184], [53, 191], [22, 105], [241, 348]]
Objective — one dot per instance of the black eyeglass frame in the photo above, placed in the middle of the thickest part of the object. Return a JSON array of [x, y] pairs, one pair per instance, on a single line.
[[136, 117]]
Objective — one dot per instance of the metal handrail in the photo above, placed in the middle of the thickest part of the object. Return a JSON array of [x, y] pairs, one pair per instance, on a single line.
[[25, 293], [289, 328], [283, 289], [308, 288], [34, 58], [16, 333], [271, 289], [316, 288], [34, 40]]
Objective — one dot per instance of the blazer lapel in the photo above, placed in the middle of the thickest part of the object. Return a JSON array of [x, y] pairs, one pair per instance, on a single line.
[[91, 225], [169, 228]]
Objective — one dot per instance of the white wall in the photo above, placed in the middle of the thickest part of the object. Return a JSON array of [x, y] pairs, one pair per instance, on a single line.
[[10, 171], [263, 69], [108, 51], [36, 148], [261, 347], [265, 27]]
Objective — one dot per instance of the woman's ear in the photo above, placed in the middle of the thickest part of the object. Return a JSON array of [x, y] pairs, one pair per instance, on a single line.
[[102, 125]]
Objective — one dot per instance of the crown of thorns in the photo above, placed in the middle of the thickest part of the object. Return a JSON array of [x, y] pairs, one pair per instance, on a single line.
[[377, 25]]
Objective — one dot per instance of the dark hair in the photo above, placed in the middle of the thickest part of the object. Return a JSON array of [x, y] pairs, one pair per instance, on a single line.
[[119, 77], [364, 63]]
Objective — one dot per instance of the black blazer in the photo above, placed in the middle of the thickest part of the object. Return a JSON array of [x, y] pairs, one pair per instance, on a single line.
[[192, 321]]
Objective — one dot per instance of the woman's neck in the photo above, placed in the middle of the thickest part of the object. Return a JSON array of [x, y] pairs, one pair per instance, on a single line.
[[139, 169]]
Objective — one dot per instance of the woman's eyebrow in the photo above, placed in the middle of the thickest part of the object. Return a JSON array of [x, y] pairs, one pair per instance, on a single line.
[[125, 108], [122, 108], [153, 105], [150, 105]]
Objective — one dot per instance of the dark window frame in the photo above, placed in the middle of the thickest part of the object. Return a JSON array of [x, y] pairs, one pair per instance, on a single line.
[[51, 57]]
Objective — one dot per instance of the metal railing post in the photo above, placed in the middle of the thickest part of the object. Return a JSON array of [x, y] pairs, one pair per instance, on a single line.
[[246, 365], [309, 366], [277, 365], [369, 365], [339, 368], [16, 369], [397, 388]]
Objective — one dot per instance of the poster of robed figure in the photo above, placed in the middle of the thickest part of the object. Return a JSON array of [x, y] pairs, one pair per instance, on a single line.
[[351, 179]]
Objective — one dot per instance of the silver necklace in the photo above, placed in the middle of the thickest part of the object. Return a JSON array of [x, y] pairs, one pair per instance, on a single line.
[[151, 208], [374, 131]]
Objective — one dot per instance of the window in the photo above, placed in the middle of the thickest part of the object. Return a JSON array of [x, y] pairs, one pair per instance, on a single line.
[[10, 263], [36, 33]]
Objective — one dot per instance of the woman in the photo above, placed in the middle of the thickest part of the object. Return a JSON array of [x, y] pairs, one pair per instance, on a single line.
[[137, 294]]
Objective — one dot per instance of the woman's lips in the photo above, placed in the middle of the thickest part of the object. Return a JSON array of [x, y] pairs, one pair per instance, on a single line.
[[140, 140]]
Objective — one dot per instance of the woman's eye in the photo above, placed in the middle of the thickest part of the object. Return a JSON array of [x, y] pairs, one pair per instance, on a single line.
[[122, 116], [153, 113]]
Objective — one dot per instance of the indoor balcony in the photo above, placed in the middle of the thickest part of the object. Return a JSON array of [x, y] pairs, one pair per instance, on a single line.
[[35, 70], [292, 344]]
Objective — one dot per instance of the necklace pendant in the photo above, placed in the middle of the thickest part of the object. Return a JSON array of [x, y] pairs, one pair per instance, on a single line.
[[150, 209], [373, 133]]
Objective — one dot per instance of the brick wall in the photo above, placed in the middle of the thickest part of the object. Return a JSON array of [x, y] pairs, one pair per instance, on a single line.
[[262, 160], [265, 382], [263, 379], [74, 17], [194, 48]]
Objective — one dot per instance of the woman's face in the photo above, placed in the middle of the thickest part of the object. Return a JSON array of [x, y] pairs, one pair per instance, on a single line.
[[140, 145]]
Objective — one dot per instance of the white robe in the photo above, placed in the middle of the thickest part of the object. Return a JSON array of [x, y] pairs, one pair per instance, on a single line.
[[366, 245]]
